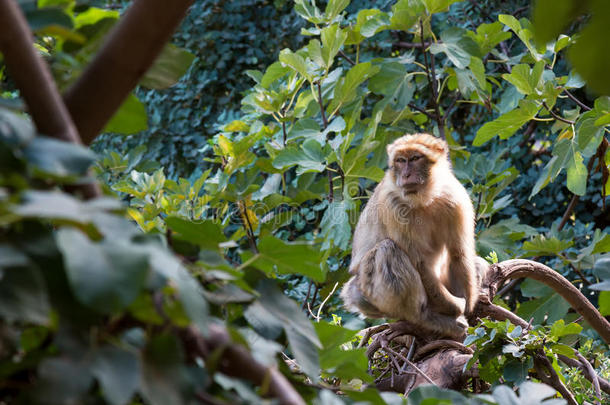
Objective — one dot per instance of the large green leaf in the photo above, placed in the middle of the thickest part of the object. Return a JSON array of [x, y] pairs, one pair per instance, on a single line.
[[118, 371], [23, 295], [309, 157], [335, 225], [204, 233], [272, 311], [549, 308], [333, 38], [170, 66], [456, 45], [436, 6], [107, 277], [58, 158], [345, 90], [507, 124], [526, 80], [405, 13], [393, 81], [334, 7], [275, 255], [130, 118]]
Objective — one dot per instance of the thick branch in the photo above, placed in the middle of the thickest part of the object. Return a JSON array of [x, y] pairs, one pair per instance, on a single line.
[[237, 362], [519, 268], [35, 82], [129, 51], [32, 75]]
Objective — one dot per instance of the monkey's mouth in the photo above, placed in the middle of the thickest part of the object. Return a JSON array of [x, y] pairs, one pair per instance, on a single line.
[[410, 186]]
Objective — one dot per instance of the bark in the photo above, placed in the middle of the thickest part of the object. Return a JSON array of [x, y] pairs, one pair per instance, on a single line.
[[35, 82], [128, 52]]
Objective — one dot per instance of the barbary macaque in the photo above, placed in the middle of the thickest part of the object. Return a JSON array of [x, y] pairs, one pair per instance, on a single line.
[[413, 254]]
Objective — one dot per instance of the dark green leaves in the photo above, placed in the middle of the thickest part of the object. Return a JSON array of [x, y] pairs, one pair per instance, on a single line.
[[170, 66], [130, 118], [506, 125], [276, 255], [105, 277]]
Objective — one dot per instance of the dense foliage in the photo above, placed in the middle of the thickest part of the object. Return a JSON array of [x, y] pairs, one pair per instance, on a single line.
[[97, 296]]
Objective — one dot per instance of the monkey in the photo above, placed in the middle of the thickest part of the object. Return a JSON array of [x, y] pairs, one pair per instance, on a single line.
[[413, 255]]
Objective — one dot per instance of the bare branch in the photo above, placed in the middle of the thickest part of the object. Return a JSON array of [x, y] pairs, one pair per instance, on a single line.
[[555, 115], [35, 82], [128, 52], [238, 362], [519, 268]]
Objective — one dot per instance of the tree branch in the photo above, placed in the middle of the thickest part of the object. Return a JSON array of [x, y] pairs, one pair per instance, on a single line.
[[35, 82], [519, 268], [128, 52], [577, 101], [555, 115], [236, 361]]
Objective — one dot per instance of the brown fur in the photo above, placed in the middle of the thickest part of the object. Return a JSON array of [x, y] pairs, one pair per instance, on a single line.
[[413, 254]]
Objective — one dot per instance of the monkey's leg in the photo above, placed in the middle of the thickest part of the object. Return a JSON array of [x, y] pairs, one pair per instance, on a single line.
[[355, 301], [441, 299], [388, 281]]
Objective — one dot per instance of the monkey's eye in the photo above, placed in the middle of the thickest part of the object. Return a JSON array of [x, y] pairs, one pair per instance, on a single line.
[[415, 157], [401, 160]]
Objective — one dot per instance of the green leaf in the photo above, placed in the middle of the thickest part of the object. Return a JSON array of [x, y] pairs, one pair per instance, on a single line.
[[118, 372], [393, 81], [568, 157], [507, 124], [308, 10], [604, 303], [516, 370], [163, 371], [204, 233], [525, 80], [275, 71], [336, 226], [589, 133], [39, 19], [170, 66], [374, 24], [275, 255], [294, 61], [436, 6], [550, 18], [334, 7], [542, 246], [106, 277], [550, 308], [59, 158], [274, 310], [488, 36], [130, 118], [23, 296], [309, 157], [59, 206], [405, 14], [456, 45], [589, 54], [345, 90], [333, 38], [524, 34], [560, 329]]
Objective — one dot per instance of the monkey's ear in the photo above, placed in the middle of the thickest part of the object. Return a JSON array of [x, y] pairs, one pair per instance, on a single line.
[[390, 149]]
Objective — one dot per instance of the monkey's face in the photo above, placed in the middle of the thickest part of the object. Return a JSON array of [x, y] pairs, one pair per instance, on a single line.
[[411, 170]]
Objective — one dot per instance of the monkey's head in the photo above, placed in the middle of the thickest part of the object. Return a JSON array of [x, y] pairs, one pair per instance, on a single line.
[[412, 158]]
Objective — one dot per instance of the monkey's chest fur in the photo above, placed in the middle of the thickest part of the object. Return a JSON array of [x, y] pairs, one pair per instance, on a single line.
[[423, 232]]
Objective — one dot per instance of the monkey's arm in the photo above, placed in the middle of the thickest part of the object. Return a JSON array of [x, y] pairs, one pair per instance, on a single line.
[[369, 231], [462, 254]]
